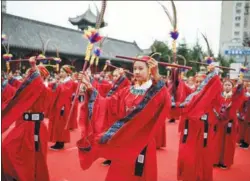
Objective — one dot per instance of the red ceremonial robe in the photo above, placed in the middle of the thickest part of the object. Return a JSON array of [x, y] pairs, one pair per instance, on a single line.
[[7, 93], [247, 120], [54, 92], [102, 86], [60, 112], [244, 120], [227, 127], [132, 135], [117, 86], [194, 163], [182, 94], [73, 122], [20, 159], [15, 83]]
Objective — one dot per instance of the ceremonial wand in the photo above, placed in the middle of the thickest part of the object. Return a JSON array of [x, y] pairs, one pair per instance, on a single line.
[[243, 70], [7, 56], [115, 67], [174, 35], [38, 59], [173, 21], [93, 36], [221, 67], [160, 63], [57, 59]]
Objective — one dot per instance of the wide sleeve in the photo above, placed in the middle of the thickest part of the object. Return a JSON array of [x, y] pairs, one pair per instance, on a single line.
[[102, 109], [187, 90], [196, 104], [15, 83], [7, 93], [48, 101], [25, 96], [238, 97]]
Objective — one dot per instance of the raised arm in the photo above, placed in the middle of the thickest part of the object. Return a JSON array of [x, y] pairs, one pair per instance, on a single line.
[[201, 100]]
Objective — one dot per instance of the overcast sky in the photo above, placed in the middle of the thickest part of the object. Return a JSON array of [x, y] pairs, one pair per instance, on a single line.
[[140, 21]]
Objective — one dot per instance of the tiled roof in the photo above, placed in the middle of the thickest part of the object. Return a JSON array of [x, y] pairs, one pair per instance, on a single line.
[[24, 33]]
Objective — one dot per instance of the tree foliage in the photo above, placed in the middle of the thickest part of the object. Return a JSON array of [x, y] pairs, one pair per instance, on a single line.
[[194, 53]]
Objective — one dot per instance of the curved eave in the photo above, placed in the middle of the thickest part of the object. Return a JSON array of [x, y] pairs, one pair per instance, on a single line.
[[77, 21], [72, 54]]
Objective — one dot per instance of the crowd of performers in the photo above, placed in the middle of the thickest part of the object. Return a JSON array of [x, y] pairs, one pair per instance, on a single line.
[[122, 119]]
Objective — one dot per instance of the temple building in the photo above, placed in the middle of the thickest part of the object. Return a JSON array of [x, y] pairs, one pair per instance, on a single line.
[[26, 36], [86, 19]]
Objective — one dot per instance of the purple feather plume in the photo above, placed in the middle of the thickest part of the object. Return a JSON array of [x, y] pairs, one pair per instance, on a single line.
[[174, 34]]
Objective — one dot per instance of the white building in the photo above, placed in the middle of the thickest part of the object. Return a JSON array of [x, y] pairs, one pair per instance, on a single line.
[[3, 6], [235, 27]]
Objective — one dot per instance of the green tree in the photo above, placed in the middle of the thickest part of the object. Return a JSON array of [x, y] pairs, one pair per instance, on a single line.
[[162, 47], [195, 54], [225, 63]]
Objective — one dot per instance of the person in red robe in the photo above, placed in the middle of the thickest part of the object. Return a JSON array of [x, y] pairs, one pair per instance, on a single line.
[[190, 83], [73, 122], [59, 133], [108, 77], [198, 79], [103, 86], [194, 163], [24, 147], [229, 101], [139, 111], [244, 120], [14, 82], [7, 92], [120, 81], [53, 85], [179, 91]]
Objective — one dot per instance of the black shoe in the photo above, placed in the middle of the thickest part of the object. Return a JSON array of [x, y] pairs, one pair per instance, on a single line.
[[106, 163], [171, 121], [222, 166], [244, 145], [240, 142], [57, 146], [216, 165]]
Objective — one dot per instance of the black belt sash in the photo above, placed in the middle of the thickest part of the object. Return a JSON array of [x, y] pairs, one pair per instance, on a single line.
[[36, 118], [62, 111], [229, 126], [185, 135], [206, 126], [140, 162], [215, 128], [81, 98]]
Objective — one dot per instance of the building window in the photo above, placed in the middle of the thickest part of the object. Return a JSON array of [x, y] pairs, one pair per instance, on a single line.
[[245, 22], [237, 24], [245, 35], [238, 4], [238, 11], [236, 33], [247, 9], [237, 18]]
